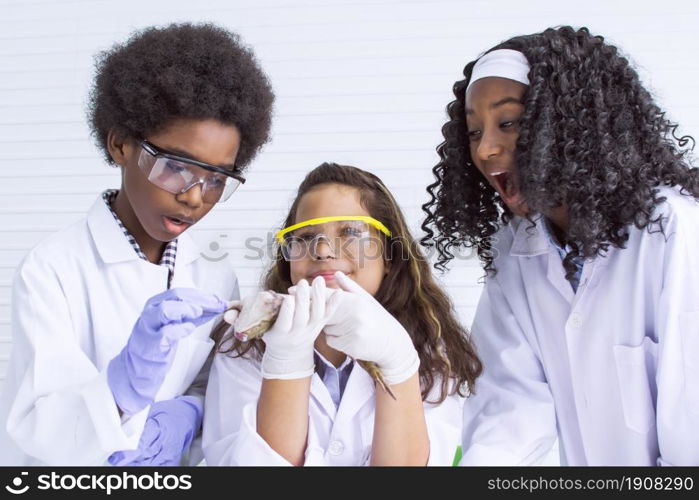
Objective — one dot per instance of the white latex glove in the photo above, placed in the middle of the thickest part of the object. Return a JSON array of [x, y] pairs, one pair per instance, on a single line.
[[361, 328], [289, 343]]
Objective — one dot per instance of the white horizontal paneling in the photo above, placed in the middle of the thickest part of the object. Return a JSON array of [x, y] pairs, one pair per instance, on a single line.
[[358, 82]]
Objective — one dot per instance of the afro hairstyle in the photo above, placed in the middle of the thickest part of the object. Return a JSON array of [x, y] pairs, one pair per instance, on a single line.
[[181, 71]]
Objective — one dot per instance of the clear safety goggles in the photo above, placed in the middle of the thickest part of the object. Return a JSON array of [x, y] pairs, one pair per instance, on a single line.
[[176, 174], [349, 235]]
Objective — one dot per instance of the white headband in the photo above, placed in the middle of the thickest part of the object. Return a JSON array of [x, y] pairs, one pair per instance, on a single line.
[[505, 63]]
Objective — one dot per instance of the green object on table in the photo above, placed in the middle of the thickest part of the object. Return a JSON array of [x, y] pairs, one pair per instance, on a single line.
[[457, 456]]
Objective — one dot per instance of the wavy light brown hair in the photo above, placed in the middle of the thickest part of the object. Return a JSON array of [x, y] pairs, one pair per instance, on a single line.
[[408, 291]]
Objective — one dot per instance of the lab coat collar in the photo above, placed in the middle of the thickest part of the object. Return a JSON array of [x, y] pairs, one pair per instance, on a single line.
[[529, 241], [360, 388], [109, 239], [320, 393], [187, 251], [113, 246]]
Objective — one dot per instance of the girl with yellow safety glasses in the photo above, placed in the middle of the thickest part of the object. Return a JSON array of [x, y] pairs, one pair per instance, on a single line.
[[356, 287]]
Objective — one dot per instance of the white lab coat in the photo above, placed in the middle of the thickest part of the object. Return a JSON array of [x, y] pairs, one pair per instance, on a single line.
[[338, 437], [613, 369], [76, 297]]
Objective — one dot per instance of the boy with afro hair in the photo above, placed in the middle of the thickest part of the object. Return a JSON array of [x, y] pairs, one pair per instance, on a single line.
[[111, 316]]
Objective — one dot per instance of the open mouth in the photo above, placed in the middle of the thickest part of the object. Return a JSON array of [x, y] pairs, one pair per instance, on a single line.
[[176, 225], [506, 185], [179, 221], [176, 221]]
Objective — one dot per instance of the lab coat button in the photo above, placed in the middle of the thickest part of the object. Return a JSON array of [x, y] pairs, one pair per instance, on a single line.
[[575, 320], [336, 448]]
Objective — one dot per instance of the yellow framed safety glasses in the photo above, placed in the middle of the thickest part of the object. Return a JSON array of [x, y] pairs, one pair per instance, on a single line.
[[349, 236], [335, 218]]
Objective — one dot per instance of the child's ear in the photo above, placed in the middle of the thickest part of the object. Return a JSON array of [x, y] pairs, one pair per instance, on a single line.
[[118, 146]]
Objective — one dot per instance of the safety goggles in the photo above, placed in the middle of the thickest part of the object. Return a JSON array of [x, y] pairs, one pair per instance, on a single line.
[[349, 235], [176, 174]]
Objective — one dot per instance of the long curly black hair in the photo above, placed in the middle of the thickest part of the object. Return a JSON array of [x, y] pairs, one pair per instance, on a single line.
[[591, 137], [196, 71]]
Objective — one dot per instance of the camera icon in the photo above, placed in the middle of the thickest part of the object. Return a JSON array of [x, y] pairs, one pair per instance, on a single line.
[[16, 488]]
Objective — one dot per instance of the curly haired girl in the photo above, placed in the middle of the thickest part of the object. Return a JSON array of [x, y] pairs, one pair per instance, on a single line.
[[581, 202]]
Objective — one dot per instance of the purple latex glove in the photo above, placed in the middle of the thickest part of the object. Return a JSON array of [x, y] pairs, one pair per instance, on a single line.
[[169, 430], [136, 373]]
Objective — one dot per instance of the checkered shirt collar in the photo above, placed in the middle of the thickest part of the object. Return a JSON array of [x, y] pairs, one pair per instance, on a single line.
[[170, 252]]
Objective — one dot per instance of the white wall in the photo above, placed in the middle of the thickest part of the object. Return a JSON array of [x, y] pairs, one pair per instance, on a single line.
[[358, 82]]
